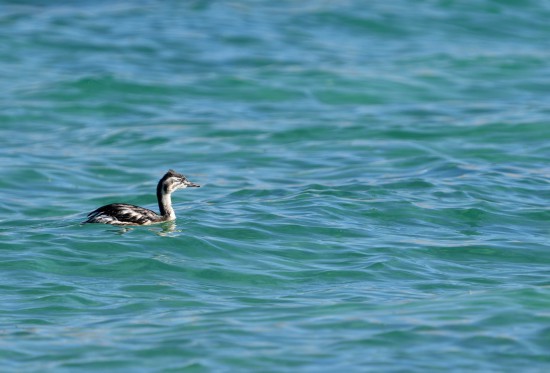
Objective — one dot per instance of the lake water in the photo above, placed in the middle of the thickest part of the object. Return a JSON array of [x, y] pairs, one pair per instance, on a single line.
[[376, 186]]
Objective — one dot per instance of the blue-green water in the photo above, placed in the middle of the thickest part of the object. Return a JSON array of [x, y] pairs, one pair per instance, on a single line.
[[375, 186]]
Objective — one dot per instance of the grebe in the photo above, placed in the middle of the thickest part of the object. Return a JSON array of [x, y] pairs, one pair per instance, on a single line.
[[124, 214]]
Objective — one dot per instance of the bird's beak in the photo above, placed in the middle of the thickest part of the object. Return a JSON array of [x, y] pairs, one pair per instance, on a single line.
[[192, 185]]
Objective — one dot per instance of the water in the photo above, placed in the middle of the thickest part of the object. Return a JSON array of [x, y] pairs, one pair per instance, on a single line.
[[375, 186]]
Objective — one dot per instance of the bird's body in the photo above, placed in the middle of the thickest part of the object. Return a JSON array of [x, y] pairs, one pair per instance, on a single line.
[[125, 214]]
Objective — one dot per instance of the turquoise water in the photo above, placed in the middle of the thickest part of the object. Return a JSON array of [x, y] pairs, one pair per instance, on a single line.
[[375, 186]]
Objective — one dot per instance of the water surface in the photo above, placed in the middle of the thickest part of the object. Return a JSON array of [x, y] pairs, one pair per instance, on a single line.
[[375, 186]]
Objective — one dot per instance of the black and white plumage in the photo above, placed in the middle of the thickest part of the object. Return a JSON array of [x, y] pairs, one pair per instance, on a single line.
[[125, 214]]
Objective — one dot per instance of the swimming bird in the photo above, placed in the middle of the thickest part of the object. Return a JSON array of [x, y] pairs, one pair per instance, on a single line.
[[125, 214]]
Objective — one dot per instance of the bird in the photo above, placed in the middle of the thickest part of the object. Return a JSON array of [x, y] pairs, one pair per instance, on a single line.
[[126, 214]]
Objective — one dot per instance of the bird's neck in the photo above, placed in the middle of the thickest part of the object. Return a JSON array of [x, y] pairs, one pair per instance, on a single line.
[[165, 204]]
